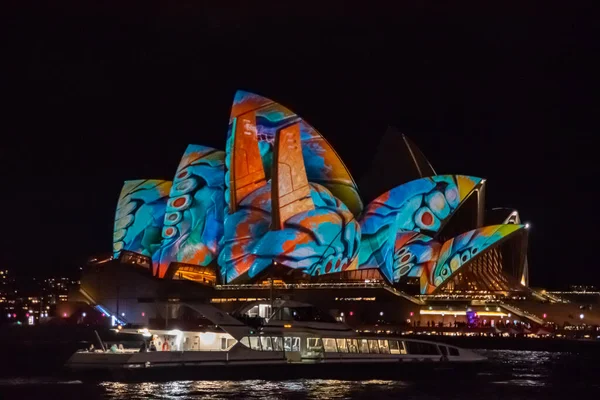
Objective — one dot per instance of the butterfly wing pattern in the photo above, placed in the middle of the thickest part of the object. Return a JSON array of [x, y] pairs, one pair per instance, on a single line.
[[279, 193], [139, 215]]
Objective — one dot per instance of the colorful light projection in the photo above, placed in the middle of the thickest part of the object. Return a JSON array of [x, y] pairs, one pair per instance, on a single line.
[[457, 252], [423, 205], [281, 194], [139, 216], [413, 254], [252, 113], [287, 219], [322, 240], [193, 222]]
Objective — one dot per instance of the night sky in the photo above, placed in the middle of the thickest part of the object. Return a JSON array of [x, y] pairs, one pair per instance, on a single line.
[[96, 96]]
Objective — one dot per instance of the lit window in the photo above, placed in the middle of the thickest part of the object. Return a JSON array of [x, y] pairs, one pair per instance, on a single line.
[[383, 347], [364, 346], [341, 344], [329, 345], [352, 345], [254, 343], [277, 343], [373, 347], [266, 343]]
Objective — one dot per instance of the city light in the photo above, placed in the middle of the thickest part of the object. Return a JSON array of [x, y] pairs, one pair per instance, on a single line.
[[580, 316], [381, 313], [83, 315]]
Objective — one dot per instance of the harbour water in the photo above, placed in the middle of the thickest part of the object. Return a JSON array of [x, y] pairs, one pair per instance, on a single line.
[[511, 374]]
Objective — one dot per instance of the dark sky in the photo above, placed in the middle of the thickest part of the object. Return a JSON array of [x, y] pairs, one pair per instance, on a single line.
[[97, 95]]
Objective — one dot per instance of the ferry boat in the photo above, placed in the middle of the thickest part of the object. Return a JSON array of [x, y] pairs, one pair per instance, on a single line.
[[295, 340]]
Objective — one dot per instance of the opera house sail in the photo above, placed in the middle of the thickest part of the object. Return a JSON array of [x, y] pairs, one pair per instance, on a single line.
[[279, 195]]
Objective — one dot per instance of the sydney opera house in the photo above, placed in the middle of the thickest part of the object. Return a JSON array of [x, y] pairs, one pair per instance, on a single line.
[[277, 213]]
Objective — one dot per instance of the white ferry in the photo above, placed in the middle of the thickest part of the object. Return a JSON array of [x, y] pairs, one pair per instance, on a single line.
[[296, 340]]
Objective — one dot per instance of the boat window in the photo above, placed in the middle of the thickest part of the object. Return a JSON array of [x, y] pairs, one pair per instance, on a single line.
[[383, 347], [296, 344], [277, 343], [454, 351], [396, 347], [352, 345], [227, 343], [254, 343], [313, 343], [245, 341], [341, 344], [444, 350], [329, 345], [421, 348], [373, 347], [265, 342], [402, 347], [291, 343], [364, 346]]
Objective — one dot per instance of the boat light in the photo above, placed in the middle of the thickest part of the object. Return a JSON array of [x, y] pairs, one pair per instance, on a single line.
[[208, 338], [145, 332]]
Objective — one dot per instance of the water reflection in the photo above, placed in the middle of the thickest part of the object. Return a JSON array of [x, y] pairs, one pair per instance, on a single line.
[[510, 374], [250, 389]]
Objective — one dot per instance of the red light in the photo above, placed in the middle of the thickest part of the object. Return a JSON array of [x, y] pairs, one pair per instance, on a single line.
[[103, 315], [412, 313], [27, 315], [351, 313], [65, 315], [14, 315], [544, 315], [143, 314]]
